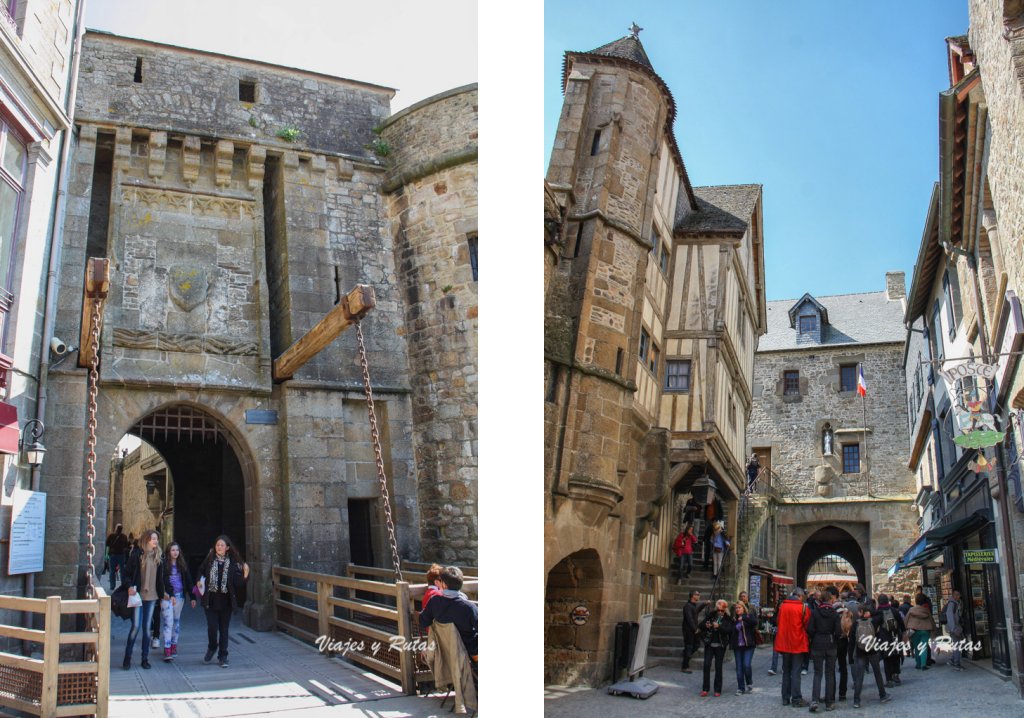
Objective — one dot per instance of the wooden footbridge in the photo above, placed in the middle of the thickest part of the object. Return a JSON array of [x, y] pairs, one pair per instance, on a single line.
[[369, 622]]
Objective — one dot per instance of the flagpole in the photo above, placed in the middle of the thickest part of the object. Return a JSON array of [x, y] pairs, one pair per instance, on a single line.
[[864, 405]]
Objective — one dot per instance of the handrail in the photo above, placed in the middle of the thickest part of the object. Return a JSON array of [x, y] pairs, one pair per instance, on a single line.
[[372, 623], [46, 686]]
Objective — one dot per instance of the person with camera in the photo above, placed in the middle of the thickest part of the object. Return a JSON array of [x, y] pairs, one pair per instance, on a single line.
[[718, 628]]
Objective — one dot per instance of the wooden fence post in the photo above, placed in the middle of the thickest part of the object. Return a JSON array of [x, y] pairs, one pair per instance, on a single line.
[[407, 659], [324, 609], [103, 656], [51, 658]]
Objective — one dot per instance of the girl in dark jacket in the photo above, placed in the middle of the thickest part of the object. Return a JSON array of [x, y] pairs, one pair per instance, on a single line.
[[743, 645], [144, 576], [177, 582], [224, 574], [718, 629]]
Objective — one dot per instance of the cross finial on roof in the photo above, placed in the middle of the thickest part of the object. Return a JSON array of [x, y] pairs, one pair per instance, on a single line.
[[635, 30]]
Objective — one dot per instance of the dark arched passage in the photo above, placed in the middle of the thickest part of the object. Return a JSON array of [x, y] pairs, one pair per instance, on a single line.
[[209, 488], [830, 540]]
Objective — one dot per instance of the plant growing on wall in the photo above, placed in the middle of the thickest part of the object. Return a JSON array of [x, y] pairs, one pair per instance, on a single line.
[[379, 147], [289, 134]]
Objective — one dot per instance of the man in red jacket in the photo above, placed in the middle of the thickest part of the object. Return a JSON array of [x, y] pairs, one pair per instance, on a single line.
[[791, 642]]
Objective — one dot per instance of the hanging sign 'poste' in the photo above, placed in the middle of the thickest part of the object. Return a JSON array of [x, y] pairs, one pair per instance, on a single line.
[[977, 426], [969, 369]]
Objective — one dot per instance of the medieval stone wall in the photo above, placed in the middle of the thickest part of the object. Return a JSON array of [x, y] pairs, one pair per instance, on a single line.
[[793, 429], [208, 285], [432, 206], [198, 93]]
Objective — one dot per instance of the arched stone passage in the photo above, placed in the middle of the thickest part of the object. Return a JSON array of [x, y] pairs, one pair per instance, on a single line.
[[570, 650], [212, 473], [830, 540]]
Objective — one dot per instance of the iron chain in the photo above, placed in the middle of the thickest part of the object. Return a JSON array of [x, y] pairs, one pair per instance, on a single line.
[[90, 492], [378, 455]]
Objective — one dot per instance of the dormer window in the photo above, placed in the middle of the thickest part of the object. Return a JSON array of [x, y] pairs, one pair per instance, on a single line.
[[808, 324]]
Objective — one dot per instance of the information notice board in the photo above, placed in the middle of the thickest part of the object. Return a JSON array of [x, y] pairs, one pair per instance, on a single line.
[[28, 526]]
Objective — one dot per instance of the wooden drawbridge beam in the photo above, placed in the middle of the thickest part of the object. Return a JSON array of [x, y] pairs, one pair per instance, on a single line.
[[352, 307]]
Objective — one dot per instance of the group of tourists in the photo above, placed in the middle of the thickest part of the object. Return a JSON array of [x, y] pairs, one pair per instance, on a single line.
[[716, 540], [150, 577], [834, 631]]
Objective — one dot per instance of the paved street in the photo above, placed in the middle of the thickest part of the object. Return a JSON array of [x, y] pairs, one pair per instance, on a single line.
[[270, 674], [939, 691]]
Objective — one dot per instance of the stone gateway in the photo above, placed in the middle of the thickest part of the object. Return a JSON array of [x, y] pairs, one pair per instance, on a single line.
[[237, 203]]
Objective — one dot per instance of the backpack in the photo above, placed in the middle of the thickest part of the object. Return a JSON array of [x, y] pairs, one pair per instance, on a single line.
[[865, 632], [943, 617], [891, 624]]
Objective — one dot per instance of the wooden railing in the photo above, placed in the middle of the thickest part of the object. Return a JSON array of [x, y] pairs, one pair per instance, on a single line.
[[371, 622], [48, 686]]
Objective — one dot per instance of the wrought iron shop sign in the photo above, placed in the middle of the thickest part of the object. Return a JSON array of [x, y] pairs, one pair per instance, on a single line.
[[981, 555]]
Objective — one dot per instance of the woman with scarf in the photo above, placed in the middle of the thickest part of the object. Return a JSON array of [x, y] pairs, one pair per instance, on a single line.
[[224, 574], [144, 576]]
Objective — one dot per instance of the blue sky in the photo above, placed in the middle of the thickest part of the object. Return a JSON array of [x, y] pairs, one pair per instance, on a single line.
[[832, 106]]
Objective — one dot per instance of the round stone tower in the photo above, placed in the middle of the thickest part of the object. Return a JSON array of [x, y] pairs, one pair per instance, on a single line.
[[431, 152]]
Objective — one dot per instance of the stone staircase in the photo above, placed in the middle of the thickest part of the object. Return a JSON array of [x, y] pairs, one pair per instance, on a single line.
[[666, 644]]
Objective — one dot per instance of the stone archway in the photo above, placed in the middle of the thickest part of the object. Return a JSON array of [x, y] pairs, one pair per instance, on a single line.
[[571, 651], [218, 416], [205, 463], [829, 540]]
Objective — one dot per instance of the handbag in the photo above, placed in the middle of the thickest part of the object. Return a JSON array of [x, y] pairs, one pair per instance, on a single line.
[[134, 600]]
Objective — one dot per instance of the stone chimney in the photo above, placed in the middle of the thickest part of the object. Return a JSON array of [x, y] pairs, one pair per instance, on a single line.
[[895, 286]]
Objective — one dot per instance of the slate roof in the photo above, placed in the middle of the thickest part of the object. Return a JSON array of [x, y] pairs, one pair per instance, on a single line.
[[867, 318], [627, 48], [721, 209]]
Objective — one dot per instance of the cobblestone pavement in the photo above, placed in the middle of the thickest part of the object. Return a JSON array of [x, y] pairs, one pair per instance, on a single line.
[[939, 691]]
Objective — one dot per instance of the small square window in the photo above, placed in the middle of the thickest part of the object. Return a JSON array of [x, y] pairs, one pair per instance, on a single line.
[[246, 91], [677, 375], [851, 458], [791, 382], [808, 324], [848, 377]]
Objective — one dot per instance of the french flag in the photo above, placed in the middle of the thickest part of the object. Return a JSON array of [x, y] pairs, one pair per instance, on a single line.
[[862, 386]]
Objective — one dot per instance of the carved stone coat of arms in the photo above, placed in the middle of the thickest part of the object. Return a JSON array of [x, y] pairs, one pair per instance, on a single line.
[[187, 285]]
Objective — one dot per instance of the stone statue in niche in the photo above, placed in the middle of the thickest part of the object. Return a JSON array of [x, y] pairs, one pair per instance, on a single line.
[[826, 440]]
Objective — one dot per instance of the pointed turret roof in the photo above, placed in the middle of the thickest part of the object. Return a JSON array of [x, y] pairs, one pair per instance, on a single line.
[[626, 48], [629, 51]]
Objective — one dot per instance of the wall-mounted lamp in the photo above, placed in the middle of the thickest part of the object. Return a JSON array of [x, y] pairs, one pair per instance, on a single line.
[[32, 452]]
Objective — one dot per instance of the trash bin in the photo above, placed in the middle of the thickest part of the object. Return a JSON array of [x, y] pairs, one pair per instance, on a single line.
[[625, 643]]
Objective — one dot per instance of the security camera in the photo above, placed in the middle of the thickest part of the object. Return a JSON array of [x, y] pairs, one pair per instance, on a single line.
[[58, 347]]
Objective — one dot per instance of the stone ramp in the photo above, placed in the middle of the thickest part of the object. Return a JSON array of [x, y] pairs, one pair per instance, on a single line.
[[270, 673]]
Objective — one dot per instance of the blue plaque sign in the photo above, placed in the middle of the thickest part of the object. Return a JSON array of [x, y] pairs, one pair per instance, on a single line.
[[261, 416]]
